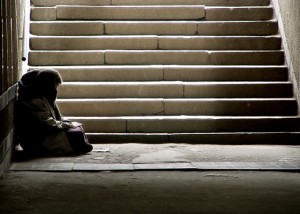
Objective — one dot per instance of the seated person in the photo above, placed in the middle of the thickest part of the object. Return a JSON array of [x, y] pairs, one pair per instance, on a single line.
[[40, 126]]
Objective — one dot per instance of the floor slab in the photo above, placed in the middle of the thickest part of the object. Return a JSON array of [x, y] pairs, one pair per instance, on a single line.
[[149, 192]]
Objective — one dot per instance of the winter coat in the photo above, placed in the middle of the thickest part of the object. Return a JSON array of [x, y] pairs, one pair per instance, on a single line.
[[41, 127]]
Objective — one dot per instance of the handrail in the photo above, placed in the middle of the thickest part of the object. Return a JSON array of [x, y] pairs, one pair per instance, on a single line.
[[25, 50]]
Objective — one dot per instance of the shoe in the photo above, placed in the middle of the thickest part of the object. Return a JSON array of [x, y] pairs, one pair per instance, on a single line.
[[84, 148]]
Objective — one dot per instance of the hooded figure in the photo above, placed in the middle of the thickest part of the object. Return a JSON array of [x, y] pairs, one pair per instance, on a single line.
[[40, 126]]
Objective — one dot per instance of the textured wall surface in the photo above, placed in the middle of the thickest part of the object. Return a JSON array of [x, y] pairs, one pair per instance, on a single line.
[[10, 72], [290, 14]]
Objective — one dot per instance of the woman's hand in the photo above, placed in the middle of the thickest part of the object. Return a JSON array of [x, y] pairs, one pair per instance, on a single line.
[[75, 124]]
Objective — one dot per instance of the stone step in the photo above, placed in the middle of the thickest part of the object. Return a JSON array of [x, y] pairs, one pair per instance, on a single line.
[[139, 107], [147, 71], [199, 138], [164, 89], [155, 43], [238, 13], [182, 12], [70, 2], [187, 124], [191, 28], [194, 2], [152, 2], [219, 43], [89, 28], [94, 43], [172, 73], [64, 12], [157, 57]]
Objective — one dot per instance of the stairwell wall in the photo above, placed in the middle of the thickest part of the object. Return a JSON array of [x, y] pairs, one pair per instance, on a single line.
[[288, 15], [11, 67]]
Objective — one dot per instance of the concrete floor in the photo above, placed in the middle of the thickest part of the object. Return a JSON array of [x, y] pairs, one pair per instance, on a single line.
[[174, 153], [157, 191], [150, 192]]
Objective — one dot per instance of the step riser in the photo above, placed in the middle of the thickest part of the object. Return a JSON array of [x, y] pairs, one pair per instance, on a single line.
[[176, 107], [152, 2], [156, 57], [70, 2], [133, 13], [159, 13], [226, 74], [156, 43], [172, 73], [67, 28], [239, 14], [290, 138], [173, 90], [153, 28], [185, 125], [192, 2]]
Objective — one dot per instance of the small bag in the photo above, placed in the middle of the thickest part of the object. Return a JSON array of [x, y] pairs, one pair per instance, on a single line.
[[78, 140]]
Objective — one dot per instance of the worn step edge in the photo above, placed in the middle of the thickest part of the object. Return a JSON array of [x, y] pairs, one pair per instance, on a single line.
[[239, 13], [239, 138], [188, 124], [268, 27], [176, 89], [216, 107], [152, 2], [156, 57], [176, 99], [201, 2], [183, 117], [130, 12], [155, 42], [170, 73], [209, 13]]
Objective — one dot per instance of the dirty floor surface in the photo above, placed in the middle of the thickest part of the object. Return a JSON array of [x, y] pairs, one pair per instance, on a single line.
[[150, 192], [162, 153], [40, 192]]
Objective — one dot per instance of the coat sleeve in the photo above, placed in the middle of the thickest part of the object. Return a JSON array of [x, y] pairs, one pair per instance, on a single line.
[[38, 110]]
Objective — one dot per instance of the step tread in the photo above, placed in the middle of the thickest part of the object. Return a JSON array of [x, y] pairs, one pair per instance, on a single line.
[[171, 73], [154, 83], [176, 89], [156, 36], [131, 12], [188, 124], [151, 12], [239, 13], [125, 27], [203, 2], [171, 106], [122, 107], [85, 100], [157, 57], [152, 2], [275, 137], [157, 51], [155, 42], [160, 66], [58, 22], [190, 117]]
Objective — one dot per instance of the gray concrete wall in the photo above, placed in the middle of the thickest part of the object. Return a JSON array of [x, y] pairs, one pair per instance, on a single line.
[[288, 12]]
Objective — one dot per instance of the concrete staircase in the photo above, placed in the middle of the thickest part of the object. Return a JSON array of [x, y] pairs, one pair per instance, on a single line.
[[204, 71]]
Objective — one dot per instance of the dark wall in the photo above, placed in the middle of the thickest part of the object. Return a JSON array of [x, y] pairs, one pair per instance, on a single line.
[[10, 70]]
